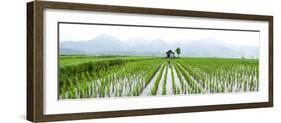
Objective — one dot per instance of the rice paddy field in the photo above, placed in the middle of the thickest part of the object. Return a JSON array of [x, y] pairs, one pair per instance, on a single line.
[[125, 76]]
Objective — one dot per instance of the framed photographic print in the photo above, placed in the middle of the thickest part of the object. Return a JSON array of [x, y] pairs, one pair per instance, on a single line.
[[96, 61]]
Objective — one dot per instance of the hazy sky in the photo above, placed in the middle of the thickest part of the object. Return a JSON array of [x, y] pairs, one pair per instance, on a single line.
[[78, 32]]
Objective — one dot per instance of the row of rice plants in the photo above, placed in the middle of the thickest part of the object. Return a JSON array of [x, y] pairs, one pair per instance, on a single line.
[[223, 75], [158, 79], [173, 79], [177, 89], [193, 75], [165, 81], [183, 84], [128, 79], [193, 86]]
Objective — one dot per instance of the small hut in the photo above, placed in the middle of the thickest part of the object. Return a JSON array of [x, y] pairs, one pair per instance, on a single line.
[[170, 54]]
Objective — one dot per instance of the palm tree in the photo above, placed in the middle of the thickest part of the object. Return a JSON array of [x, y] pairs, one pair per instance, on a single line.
[[178, 51]]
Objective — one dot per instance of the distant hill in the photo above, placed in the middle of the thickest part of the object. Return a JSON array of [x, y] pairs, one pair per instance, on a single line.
[[108, 45]]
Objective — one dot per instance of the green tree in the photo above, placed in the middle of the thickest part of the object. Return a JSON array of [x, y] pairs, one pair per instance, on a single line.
[[178, 51]]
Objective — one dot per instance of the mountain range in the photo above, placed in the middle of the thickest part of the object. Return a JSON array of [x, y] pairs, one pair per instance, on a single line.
[[109, 45]]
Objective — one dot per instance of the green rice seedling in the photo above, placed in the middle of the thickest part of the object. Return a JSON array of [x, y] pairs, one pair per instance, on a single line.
[[218, 75], [116, 80], [156, 83], [165, 81], [195, 87]]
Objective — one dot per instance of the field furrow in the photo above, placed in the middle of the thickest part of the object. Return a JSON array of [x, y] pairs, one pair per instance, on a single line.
[[147, 90], [155, 88], [161, 84], [170, 79]]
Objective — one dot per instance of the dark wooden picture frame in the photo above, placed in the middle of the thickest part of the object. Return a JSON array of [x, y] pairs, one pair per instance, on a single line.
[[35, 50]]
